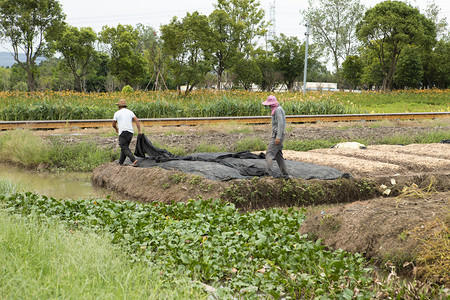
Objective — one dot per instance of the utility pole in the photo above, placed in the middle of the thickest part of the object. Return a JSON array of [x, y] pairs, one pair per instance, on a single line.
[[306, 58]]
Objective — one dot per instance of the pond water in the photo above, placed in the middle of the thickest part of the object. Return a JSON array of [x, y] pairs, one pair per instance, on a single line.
[[66, 185]]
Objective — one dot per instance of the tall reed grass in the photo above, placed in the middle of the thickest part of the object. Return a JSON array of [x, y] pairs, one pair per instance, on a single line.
[[43, 260], [49, 105], [67, 105], [23, 148]]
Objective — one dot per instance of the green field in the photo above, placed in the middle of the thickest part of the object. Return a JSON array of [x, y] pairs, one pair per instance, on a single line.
[[169, 104]]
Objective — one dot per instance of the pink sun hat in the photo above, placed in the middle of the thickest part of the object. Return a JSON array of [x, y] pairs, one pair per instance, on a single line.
[[271, 100]]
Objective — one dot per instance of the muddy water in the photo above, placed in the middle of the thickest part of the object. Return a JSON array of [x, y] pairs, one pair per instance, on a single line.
[[73, 185]]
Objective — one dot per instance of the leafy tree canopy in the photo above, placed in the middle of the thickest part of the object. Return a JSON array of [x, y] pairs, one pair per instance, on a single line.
[[26, 24], [388, 28]]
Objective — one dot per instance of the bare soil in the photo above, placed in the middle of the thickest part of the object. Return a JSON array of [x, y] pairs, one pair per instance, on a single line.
[[379, 227]]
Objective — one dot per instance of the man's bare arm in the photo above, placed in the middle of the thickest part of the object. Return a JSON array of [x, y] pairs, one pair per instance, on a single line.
[[138, 124], [114, 125]]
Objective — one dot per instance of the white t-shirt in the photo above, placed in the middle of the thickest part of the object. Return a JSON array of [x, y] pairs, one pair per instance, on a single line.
[[124, 118]]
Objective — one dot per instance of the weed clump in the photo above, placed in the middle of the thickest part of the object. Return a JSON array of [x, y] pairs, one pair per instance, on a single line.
[[433, 254], [250, 144], [23, 148], [264, 192]]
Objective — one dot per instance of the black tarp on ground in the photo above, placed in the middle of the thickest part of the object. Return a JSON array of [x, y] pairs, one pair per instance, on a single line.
[[225, 166]]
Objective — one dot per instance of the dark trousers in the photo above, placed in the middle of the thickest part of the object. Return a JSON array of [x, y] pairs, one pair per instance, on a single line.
[[124, 143]]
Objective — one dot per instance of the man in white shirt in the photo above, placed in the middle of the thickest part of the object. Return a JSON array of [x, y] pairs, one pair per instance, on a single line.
[[123, 124]]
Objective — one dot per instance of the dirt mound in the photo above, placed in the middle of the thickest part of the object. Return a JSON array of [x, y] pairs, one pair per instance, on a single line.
[[391, 167], [155, 184], [378, 227]]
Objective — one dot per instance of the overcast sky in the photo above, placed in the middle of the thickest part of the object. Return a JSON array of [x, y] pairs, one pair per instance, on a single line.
[[96, 13]]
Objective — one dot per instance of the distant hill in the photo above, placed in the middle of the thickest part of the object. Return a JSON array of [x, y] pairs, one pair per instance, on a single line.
[[7, 60]]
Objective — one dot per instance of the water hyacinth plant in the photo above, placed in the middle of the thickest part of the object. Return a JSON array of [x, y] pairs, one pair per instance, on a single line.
[[212, 242]]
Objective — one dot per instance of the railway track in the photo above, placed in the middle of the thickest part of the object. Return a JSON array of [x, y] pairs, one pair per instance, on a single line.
[[54, 124]]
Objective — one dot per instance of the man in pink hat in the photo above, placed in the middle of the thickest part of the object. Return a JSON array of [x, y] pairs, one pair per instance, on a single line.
[[123, 124], [275, 147]]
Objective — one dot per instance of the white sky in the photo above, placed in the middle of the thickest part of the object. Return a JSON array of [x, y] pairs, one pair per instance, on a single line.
[[96, 13]]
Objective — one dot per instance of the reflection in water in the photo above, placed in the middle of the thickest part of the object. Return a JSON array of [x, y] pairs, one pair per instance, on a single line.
[[73, 185]]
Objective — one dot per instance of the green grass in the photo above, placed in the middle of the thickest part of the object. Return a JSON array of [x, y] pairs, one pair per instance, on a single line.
[[175, 150], [23, 148], [7, 187], [83, 156], [205, 148], [43, 260], [250, 144]]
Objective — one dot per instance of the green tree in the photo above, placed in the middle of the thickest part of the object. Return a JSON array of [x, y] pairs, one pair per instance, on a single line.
[[432, 12], [78, 49], [5, 79], [437, 72], [26, 25], [54, 74], [333, 24], [157, 60], [388, 28], [96, 78], [352, 69], [188, 42], [126, 63], [271, 77], [146, 37], [18, 78], [235, 25], [247, 73], [430, 65], [372, 76], [410, 71], [289, 58]]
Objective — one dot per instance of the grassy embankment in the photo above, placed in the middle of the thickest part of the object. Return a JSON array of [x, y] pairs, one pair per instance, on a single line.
[[44, 260], [23, 148]]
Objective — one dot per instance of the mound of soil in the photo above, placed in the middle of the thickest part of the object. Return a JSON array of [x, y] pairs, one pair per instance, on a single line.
[[379, 227], [155, 184]]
